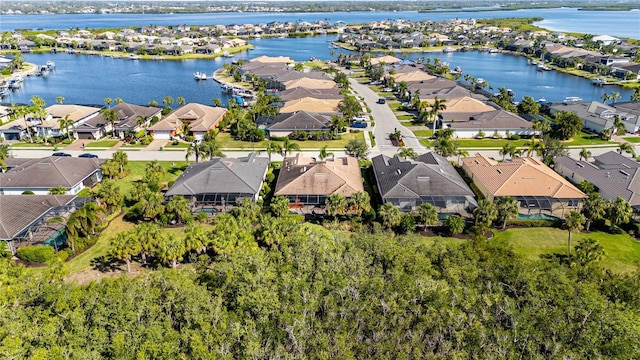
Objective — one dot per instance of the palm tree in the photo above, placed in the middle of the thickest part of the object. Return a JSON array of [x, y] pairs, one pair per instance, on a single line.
[[626, 147], [108, 101], [436, 107], [389, 215], [454, 223], [151, 205], [507, 149], [111, 116], [37, 108], [461, 152], [196, 239], [288, 146], [594, 208], [109, 195], [147, 234], [405, 152], [615, 96], [485, 213], [605, 97], [335, 205], [4, 154], [619, 212], [123, 245], [170, 250], [507, 209], [359, 202], [121, 158], [324, 153], [211, 148], [585, 154], [273, 148], [118, 100], [635, 96], [194, 149], [427, 214], [81, 223], [65, 123], [181, 101], [167, 101], [618, 127], [58, 190], [60, 99], [573, 221], [180, 207], [403, 89]]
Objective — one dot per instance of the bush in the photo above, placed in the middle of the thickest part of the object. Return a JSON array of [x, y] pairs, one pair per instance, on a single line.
[[514, 137], [28, 192], [277, 138], [534, 223], [146, 140], [36, 254]]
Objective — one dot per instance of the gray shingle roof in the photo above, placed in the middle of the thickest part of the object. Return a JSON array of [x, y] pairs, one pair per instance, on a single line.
[[242, 175], [48, 172], [19, 211], [429, 174], [301, 120]]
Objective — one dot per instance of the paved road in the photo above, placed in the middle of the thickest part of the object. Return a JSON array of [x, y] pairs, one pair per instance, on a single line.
[[386, 123]]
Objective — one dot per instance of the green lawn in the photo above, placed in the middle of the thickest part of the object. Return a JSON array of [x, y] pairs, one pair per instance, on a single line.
[[423, 132], [179, 145], [622, 252], [584, 139], [632, 139], [405, 117], [102, 144], [227, 141], [23, 144], [137, 169]]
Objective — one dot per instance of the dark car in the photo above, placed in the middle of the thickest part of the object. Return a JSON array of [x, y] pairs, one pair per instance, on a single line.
[[60, 154], [359, 124], [382, 101], [87, 155]]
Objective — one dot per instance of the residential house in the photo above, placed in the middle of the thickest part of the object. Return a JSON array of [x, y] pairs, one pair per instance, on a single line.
[[300, 92], [40, 175], [23, 219], [385, 60], [129, 118], [197, 118], [285, 124], [311, 105], [496, 122], [597, 116], [429, 178], [537, 187], [221, 182], [50, 125], [613, 174], [308, 183], [310, 83]]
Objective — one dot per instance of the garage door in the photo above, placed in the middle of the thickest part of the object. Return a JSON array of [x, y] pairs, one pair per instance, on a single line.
[[85, 136]]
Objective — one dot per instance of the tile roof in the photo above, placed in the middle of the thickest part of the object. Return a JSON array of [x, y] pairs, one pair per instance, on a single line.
[[387, 59], [310, 83], [428, 175], [612, 173], [301, 92], [271, 59], [301, 175], [301, 120], [222, 175], [497, 119], [519, 177], [311, 105], [201, 118], [17, 212], [417, 75], [48, 172]]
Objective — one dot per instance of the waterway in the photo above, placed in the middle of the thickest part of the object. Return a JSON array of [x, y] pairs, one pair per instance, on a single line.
[[86, 79], [614, 23]]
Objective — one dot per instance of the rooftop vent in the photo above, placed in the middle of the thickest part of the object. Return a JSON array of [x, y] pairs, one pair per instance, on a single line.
[[624, 173], [399, 171]]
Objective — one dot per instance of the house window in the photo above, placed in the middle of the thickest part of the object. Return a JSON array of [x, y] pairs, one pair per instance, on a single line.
[[573, 203]]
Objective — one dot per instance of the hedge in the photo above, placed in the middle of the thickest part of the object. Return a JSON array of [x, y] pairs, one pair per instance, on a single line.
[[36, 254]]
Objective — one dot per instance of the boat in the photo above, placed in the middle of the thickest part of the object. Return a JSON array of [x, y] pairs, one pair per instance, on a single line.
[[134, 57], [226, 54], [494, 51], [542, 101], [15, 85], [199, 75], [599, 82], [543, 67], [572, 99], [51, 65], [44, 71], [4, 91], [448, 49]]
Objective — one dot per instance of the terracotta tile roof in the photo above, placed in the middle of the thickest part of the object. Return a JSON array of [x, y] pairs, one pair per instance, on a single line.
[[310, 83], [387, 59], [519, 177], [201, 118], [303, 176], [417, 75], [311, 105], [271, 59]]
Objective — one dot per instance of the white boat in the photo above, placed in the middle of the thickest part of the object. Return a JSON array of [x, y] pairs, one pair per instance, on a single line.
[[226, 54], [134, 57], [599, 82], [51, 65], [4, 91], [448, 49], [572, 99], [14, 84], [44, 71], [543, 67], [199, 75]]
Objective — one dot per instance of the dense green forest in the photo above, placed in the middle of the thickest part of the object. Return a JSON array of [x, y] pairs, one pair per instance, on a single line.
[[320, 293]]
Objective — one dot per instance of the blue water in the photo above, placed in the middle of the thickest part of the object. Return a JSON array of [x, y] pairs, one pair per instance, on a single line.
[[540, 216], [615, 23], [85, 79]]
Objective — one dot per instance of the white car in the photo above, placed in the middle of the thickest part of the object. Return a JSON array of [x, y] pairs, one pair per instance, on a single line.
[[361, 118]]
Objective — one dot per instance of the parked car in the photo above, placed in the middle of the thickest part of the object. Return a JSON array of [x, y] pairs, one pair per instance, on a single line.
[[382, 101], [360, 118], [60, 154], [87, 155], [375, 82], [359, 124]]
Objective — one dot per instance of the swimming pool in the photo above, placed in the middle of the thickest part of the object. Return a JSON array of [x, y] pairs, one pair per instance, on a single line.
[[537, 217]]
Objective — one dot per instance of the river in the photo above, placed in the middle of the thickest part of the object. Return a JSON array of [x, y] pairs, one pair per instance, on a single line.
[[614, 23]]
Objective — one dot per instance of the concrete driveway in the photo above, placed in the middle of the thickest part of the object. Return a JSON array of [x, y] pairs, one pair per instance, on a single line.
[[386, 123]]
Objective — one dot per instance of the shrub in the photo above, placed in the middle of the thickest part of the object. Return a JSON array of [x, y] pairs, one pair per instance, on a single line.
[[27, 192], [535, 223], [146, 140], [36, 254]]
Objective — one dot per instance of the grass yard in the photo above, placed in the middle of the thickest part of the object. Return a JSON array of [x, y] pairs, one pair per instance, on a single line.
[[632, 139], [137, 170], [29, 145], [179, 145], [584, 139], [622, 252], [102, 144], [423, 132], [405, 117]]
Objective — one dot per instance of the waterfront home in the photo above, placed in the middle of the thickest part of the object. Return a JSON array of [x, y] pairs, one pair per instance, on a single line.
[[626, 71], [307, 183], [199, 119], [49, 126], [491, 123], [613, 174], [533, 184], [311, 105], [24, 218], [130, 118], [301, 92], [461, 108], [40, 175], [221, 182], [429, 178], [384, 60], [284, 124], [272, 59], [450, 94], [413, 76], [597, 116], [310, 83]]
